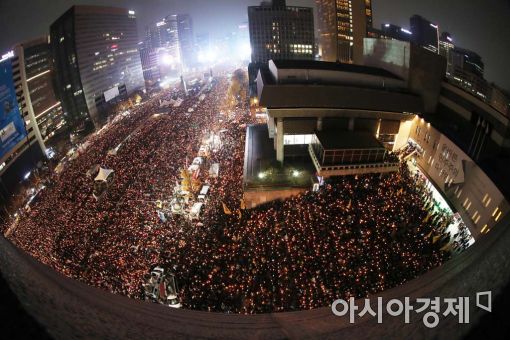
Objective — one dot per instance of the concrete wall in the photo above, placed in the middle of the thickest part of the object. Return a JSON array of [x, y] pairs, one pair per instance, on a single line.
[[334, 77], [422, 69], [253, 198], [427, 71], [338, 97]]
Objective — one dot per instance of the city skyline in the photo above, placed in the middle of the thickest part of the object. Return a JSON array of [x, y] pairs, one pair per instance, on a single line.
[[490, 15]]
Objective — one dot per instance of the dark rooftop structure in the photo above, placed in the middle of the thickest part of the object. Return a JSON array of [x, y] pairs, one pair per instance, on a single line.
[[333, 66], [312, 84]]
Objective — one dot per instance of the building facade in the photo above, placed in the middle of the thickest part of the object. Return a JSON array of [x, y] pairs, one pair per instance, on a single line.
[[97, 61], [305, 97], [468, 188], [150, 65], [186, 39], [38, 85], [342, 26], [446, 48], [160, 52], [390, 31], [29, 132], [164, 35], [279, 32], [425, 33], [21, 148], [422, 69]]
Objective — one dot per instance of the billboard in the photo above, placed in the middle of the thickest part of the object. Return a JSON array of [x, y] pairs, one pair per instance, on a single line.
[[12, 126], [390, 55], [111, 93]]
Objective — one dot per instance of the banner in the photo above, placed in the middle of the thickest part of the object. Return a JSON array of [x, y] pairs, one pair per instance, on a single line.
[[12, 127]]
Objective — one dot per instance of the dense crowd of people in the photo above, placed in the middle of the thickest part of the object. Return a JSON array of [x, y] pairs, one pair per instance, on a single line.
[[356, 236]]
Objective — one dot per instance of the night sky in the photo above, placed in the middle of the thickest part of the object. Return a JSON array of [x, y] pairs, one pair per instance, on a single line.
[[480, 25]]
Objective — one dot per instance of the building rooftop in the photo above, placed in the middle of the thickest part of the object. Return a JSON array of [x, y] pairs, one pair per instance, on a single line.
[[335, 140], [331, 66], [312, 84]]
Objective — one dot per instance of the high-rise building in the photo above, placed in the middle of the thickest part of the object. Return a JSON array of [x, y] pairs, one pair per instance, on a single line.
[[499, 99], [343, 25], [446, 48], [281, 32], [425, 33], [150, 64], [31, 114], [164, 35], [466, 70], [36, 72], [160, 52], [390, 31], [468, 61], [186, 40], [97, 62], [21, 148], [464, 67]]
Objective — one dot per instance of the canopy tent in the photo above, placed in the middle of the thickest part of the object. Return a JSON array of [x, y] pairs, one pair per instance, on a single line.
[[93, 169], [195, 210], [214, 170], [103, 175], [166, 103], [198, 161], [178, 102]]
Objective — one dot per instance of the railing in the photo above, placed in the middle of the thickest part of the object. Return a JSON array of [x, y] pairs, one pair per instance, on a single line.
[[346, 167]]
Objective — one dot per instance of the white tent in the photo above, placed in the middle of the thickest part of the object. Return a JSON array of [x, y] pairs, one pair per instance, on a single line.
[[178, 102], [195, 210], [166, 103], [214, 170], [103, 175], [198, 161], [93, 169]]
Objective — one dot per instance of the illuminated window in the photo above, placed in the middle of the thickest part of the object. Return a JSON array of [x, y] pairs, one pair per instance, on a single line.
[[476, 217], [466, 204], [498, 216], [485, 197], [297, 139], [485, 229], [486, 200]]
